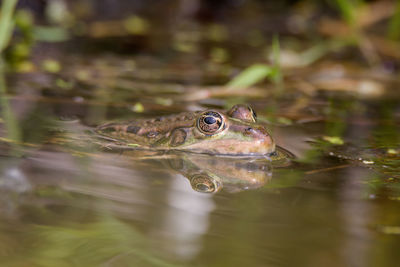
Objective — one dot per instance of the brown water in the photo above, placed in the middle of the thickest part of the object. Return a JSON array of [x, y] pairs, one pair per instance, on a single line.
[[66, 202], [63, 205], [59, 209]]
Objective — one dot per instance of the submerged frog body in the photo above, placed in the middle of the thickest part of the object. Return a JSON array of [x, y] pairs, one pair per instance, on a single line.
[[235, 132]]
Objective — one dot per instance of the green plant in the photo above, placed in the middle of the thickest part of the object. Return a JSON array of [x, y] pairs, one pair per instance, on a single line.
[[6, 30], [6, 22], [258, 72]]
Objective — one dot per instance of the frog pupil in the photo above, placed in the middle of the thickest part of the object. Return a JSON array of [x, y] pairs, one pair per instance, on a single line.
[[209, 120]]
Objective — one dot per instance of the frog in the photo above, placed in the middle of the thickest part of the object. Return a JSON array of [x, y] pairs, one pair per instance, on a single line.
[[235, 132]]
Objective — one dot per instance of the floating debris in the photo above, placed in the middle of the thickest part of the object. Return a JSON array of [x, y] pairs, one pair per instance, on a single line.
[[336, 140]]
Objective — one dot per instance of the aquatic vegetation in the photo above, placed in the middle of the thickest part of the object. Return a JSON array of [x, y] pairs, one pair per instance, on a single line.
[[349, 9], [326, 90], [258, 72], [106, 241], [6, 22], [6, 31]]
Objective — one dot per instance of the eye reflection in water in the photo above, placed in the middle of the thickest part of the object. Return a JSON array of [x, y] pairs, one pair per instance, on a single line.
[[204, 183]]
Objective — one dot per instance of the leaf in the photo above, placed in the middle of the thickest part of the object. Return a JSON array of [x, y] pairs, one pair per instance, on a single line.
[[6, 22], [335, 140], [251, 75]]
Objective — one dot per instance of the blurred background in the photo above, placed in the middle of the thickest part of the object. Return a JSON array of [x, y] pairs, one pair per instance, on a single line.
[[323, 77]]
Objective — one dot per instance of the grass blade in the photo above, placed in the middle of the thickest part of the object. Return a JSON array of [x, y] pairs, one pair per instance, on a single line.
[[6, 22], [250, 76]]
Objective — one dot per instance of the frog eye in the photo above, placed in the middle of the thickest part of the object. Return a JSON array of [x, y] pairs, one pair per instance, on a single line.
[[210, 122]]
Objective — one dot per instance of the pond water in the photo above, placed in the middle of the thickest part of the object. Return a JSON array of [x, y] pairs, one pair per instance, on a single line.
[[66, 202], [68, 199]]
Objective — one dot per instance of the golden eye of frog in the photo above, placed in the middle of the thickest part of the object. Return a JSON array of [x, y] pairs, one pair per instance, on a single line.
[[235, 132]]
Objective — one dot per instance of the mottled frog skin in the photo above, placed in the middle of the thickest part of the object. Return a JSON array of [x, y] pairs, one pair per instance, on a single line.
[[234, 133]]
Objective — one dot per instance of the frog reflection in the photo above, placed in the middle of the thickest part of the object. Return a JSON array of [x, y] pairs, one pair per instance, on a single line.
[[209, 174], [223, 149]]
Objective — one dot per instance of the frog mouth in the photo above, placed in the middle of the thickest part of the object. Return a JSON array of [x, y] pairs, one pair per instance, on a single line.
[[226, 147]]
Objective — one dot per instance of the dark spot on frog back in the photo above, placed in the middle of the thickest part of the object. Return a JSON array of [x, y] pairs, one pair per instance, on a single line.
[[107, 130], [133, 129], [178, 137]]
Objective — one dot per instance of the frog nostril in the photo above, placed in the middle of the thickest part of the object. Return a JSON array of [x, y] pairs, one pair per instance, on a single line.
[[152, 134], [248, 131]]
